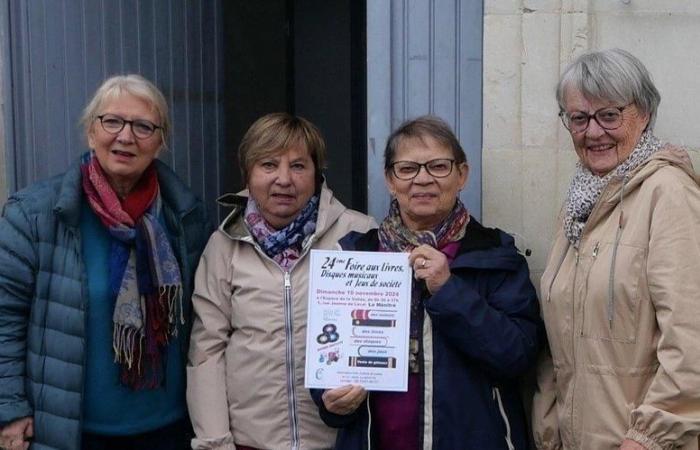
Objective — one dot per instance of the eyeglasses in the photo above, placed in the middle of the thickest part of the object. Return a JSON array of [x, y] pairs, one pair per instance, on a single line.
[[408, 170], [142, 129], [609, 118]]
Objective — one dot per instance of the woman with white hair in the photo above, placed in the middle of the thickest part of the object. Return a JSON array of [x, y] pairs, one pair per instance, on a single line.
[[620, 295], [96, 269]]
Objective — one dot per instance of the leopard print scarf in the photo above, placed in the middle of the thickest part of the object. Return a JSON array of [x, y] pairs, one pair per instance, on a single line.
[[586, 187]]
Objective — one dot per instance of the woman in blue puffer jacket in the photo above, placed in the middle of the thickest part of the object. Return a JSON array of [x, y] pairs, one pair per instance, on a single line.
[[96, 270]]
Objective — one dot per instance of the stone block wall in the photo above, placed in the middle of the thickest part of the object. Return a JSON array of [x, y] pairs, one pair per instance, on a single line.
[[528, 159]]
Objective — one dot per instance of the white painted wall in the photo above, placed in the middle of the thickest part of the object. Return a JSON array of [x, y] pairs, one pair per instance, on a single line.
[[528, 158]]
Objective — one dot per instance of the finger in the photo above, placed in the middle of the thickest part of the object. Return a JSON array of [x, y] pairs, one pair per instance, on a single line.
[[352, 405], [361, 395], [357, 393], [353, 393], [352, 396], [422, 263], [419, 252], [428, 251], [336, 393], [339, 402]]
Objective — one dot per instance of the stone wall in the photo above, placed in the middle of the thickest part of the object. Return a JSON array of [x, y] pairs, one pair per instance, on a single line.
[[528, 158]]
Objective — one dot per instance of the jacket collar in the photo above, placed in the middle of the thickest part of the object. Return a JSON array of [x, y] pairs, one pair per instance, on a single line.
[[329, 209], [175, 194], [70, 196], [619, 188]]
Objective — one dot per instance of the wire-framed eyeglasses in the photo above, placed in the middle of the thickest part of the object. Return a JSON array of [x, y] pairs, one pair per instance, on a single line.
[[609, 118], [114, 124], [408, 170]]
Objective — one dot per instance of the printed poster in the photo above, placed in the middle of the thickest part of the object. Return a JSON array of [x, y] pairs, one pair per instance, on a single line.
[[358, 320]]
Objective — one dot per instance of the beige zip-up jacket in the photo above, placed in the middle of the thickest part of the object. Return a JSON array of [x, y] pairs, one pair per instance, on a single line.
[[623, 318], [245, 377]]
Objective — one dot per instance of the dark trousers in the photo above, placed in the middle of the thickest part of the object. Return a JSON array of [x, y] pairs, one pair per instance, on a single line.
[[171, 437]]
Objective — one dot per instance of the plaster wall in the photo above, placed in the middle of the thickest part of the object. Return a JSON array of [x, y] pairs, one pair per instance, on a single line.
[[528, 159]]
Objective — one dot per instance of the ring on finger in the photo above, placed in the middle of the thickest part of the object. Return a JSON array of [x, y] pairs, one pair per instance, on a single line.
[[423, 262]]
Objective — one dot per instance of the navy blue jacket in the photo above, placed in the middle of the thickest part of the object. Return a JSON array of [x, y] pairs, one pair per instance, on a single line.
[[43, 296], [485, 333]]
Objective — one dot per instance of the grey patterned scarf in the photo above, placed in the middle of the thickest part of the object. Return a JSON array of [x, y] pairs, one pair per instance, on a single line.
[[586, 187]]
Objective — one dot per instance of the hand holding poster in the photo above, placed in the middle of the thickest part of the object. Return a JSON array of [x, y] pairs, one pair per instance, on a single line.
[[358, 320]]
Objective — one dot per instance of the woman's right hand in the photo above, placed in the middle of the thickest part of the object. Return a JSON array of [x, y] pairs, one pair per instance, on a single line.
[[17, 435], [345, 399]]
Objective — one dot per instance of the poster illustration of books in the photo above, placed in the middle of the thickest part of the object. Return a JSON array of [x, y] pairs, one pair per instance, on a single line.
[[358, 320]]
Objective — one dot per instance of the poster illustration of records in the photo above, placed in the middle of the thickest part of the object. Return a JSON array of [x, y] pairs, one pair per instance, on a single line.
[[358, 320]]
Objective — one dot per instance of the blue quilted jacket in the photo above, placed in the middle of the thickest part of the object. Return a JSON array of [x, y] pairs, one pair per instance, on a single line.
[[43, 297]]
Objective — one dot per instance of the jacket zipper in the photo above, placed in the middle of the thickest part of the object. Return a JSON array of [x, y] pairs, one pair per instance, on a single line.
[[76, 236], [291, 386], [504, 416], [611, 278], [594, 254], [573, 345], [289, 334], [289, 329], [554, 275]]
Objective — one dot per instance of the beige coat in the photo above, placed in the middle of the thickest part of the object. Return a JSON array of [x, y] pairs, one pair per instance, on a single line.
[[625, 339], [245, 378]]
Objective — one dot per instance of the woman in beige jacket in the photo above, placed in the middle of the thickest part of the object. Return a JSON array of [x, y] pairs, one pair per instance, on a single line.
[[246, 364], [621, 292]]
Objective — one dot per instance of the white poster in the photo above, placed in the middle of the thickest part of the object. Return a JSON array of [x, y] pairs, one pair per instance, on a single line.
[[358, 320]]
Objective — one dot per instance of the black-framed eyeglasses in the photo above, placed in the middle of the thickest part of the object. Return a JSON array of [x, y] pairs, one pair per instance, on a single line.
[[114, 124], [408, 170], [609, 118]]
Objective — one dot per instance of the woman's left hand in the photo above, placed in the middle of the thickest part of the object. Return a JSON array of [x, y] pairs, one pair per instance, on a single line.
[[345, 399], [431, 265]]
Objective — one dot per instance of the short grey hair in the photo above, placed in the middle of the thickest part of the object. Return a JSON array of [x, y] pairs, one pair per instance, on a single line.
[[135, 85], [420, 128], [614, 75]]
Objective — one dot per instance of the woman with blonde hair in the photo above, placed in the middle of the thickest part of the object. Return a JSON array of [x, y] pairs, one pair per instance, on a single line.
[[246, 362], [96, 269]]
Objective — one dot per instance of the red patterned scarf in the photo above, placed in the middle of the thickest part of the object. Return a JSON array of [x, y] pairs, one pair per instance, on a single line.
[[143, 272]]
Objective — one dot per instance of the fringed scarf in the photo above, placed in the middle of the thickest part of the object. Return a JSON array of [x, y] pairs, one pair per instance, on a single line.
[[144, 274], [586, 187], [283, 246], [394, 236]]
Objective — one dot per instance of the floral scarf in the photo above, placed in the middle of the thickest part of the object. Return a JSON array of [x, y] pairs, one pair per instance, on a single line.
[[586, 187], [283, 246], [394, 236], [144, 274]]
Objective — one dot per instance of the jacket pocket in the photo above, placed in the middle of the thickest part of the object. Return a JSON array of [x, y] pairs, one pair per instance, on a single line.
[[612, 293]]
